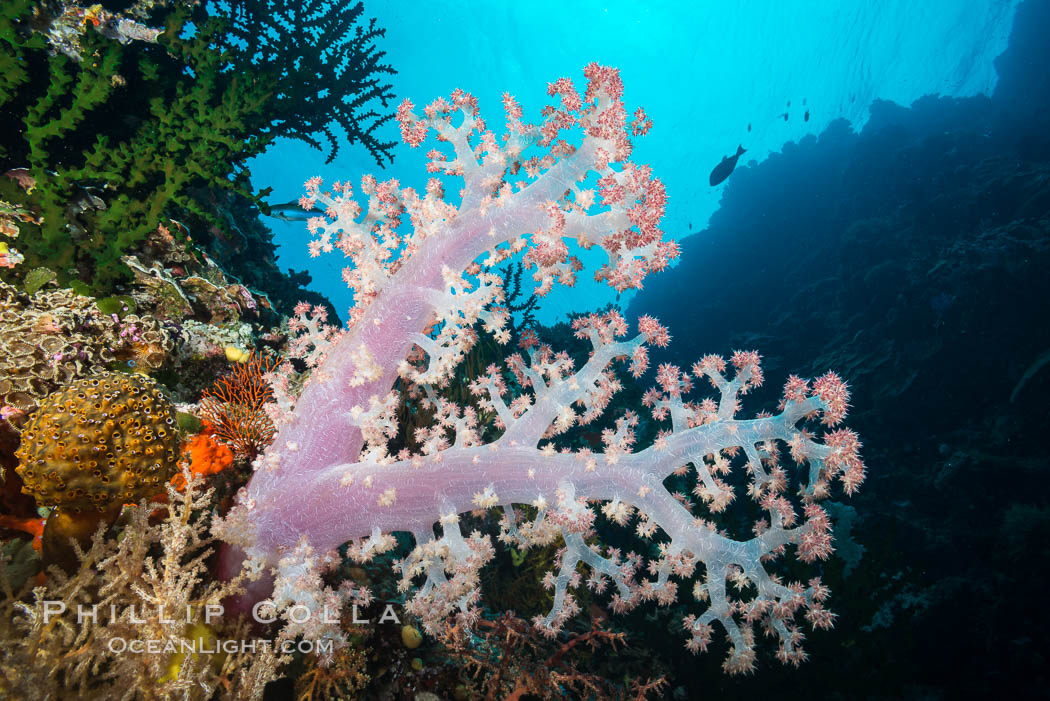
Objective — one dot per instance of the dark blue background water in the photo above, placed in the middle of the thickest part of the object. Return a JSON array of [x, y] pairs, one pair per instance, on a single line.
[[912, 258]]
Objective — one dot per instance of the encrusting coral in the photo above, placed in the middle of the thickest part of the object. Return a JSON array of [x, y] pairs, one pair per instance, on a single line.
[[90, 448], [54, 337], [100, 441], [203, 456], [49, 340], [144, 345]]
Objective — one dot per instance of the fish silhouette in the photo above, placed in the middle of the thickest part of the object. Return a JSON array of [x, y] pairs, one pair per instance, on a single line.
[[723, 169], [291, 211]]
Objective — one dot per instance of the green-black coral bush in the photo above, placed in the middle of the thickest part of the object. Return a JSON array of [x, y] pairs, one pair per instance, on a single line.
[[316, 53], [131, 135]]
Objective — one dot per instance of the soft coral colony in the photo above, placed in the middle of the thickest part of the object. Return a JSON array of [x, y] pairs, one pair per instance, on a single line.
[[330, 477]]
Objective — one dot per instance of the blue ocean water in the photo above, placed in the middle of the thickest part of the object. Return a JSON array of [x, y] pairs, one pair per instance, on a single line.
[[703, 71]]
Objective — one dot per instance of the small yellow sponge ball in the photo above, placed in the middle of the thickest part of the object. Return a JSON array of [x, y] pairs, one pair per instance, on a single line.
[[236, 355], [411, 637], [102, 441]]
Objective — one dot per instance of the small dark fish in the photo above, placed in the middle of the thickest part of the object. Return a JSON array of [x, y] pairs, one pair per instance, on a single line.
[[806, 118], [789, 103], [723, 169], [803, 102], [85, 199], [290, 217], [749, 127], [785, 116]]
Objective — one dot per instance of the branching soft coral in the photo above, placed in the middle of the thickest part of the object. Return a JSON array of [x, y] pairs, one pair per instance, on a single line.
[[330, 476], [507, 659]]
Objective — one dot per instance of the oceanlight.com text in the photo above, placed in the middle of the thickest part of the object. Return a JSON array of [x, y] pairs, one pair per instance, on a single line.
[[172, 646]]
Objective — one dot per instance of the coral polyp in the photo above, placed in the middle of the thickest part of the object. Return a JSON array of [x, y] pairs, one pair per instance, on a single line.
[[101, 441]]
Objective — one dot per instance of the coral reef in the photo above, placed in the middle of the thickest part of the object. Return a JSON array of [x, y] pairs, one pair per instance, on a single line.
[[245, 248], [54, 337], [49, 340], [506, 658], [342, 678], [89, 201], [144, 344], [201, 340], [46, 344], [93, 186], [181, 281], [10, 216], [64, 24]]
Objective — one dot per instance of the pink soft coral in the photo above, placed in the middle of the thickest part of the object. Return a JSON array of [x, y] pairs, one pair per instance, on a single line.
[[328, 478]]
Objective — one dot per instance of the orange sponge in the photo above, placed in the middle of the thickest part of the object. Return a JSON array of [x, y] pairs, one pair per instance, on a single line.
[[205, 456]]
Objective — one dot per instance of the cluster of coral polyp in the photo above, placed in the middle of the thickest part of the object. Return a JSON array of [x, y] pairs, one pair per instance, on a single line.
[[101, 441]]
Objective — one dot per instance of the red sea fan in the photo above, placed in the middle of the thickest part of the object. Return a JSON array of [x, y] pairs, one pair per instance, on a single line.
[[233, 407]]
